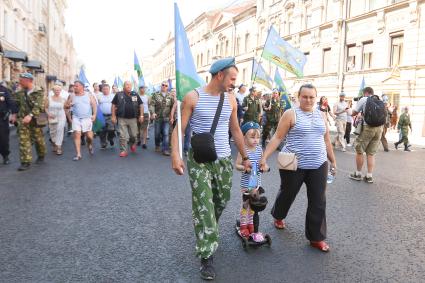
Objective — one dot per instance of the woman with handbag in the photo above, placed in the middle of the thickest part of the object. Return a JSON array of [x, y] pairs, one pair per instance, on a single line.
[[303, 160], [55, 109]]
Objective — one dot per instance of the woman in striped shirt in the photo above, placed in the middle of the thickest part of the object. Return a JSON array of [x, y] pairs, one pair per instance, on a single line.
[[307, 135]]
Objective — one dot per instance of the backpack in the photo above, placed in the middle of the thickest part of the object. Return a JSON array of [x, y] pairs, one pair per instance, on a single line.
[[375, 113]]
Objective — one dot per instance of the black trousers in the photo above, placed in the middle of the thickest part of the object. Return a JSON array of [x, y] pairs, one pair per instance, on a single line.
[[4, 137], [315, 180], [347, 132]]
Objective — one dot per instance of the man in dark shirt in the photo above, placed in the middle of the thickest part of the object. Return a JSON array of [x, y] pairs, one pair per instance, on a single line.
[[128, 107], [7, 107]]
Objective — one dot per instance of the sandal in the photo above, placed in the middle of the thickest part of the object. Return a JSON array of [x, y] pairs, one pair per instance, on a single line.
[[59, 151], [279, 224], [321, 246], [76, 158], [91, 150]]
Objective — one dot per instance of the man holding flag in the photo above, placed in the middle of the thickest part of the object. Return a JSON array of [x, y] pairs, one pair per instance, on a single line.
[[211, 182]]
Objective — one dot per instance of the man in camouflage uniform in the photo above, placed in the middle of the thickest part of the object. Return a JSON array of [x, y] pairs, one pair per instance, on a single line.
[[160, 108], [30, 101], [403, 126], [272, 110], [211, 182], [252, 107]]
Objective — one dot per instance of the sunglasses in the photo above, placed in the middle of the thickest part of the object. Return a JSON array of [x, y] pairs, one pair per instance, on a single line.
[[164, 85]]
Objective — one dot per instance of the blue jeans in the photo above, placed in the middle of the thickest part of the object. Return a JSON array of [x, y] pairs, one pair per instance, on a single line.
[[187, 136], [162, 128]]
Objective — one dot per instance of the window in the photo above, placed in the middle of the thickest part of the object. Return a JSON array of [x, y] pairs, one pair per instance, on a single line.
[[351, 58], [222, 48], [208, 57], [5, 24], [202, 59], [247, 39], [308, 21], [244, 75], [326, 64], [396, 50], [227, 48], [238, 46], [367, 55], [216, 49], [290, 26]]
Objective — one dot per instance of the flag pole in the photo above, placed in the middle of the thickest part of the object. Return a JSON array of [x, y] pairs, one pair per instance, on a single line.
[[259, 62], [179, 128]]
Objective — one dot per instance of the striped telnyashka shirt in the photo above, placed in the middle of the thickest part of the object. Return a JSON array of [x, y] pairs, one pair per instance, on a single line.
[[203, 116], [306, 139]]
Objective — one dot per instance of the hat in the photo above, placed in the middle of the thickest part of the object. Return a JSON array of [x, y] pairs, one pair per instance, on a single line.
[[342, 94], [222, 64], [248, 126], [26, 76], [142, 86], [78, 81], [242, 85]]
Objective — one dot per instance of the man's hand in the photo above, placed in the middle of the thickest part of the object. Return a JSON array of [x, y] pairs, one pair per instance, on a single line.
[[171, 121], [93, 118], [247, 165], [141, 119], [114, 119], [27, 119], [178, 165], [12, 119]]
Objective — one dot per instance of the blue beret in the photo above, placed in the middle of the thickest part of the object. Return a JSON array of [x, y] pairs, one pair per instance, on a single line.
[[26, 76], [248, 126], [222, 64]]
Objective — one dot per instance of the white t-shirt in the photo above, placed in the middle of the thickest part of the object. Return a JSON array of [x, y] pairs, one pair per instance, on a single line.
[[338, 107], [240, 96], [145, 100], [105, 103]]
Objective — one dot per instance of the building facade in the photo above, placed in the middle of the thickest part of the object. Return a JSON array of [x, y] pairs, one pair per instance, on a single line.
[[345, 41], [33, 38]]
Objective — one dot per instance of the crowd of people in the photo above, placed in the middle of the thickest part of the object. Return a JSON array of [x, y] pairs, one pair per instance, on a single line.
[[211, 116]]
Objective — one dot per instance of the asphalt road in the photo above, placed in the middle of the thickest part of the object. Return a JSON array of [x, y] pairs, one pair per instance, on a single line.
[[111, 219]]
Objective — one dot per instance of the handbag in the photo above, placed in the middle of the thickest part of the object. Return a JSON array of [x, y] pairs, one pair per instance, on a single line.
[[203, 145], [288, 160], [41, 119]]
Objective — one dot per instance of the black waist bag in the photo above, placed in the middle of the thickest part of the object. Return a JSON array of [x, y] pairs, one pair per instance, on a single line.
[[203, 145]]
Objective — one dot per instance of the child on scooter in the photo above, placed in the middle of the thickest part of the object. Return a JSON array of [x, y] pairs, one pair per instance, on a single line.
[[250, 181]]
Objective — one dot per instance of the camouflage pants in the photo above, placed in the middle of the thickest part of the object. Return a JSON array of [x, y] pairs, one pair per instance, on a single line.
[[29, 135], [267, 130], [211, 184]]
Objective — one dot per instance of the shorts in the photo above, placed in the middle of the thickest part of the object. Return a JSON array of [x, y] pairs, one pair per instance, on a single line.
[[144, 125], [81, 124], [368, 140]]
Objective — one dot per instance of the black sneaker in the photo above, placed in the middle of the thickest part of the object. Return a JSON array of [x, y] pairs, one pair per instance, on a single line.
[[111, 142], [103, 146], [144, 146], [207, 270], [368, 179], [40, 160], [139, 143], [24, 167], [355, 176]]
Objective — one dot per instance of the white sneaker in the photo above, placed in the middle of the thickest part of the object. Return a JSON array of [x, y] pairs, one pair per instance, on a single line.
[[343, 149], [348, 144]]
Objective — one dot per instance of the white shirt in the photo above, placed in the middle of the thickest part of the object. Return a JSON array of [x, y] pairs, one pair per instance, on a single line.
[[145, 100], [240, 96], [105, 103]]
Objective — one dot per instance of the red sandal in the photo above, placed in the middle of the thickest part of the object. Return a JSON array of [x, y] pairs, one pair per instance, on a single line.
[[279, 224], [321, 246]]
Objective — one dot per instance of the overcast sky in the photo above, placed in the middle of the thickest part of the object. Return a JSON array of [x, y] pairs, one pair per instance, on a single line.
[[106, 32]]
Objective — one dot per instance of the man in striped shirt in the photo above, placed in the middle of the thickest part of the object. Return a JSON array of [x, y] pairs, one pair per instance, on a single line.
[[210, 181]]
